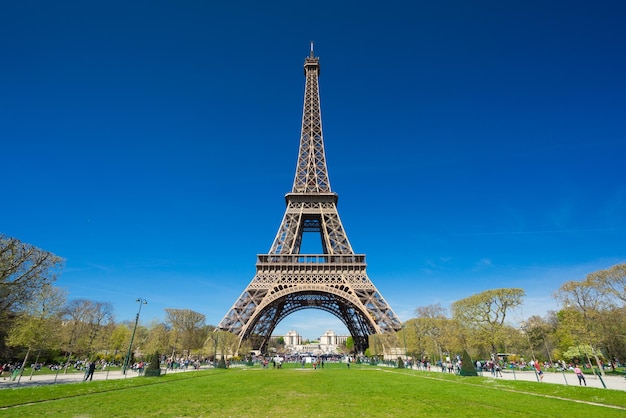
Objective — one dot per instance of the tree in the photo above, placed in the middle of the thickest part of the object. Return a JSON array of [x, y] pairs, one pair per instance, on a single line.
[[119, 340], [579, 353], [212, 341], [467, 365], [539, 333], [585, 300], [376, 345], [613, 325], [350, 343], [187, 329], [483, 314], [154, 365], [24, 271], [84, 321], [222, 343], [158, 338], [37, 326], [593, 311], [432, 334], [245, 348], [431, 311], [612, 281], [424, 334], [277, 345]]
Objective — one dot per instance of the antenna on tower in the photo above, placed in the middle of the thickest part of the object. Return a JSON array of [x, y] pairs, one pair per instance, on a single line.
[[312, 55]]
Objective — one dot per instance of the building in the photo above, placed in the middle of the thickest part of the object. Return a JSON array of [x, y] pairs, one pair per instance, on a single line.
[[327, 344]]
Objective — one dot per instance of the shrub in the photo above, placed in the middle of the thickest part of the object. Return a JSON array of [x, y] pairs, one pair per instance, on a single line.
[[467, 366], [154, 365], [222, 363], [400, 363]]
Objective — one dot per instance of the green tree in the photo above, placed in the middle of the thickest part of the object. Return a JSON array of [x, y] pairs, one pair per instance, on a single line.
[[36, 327], [276, 345], [613, 326], [158, 338], [483, 315], [221, 344], [154, 365], [569, 327], [612, 281], [467, 365], [188, 329], [375, 345], [425, 334], [119, 340], [585, 305], [385, 344], [540, 335], [579, 353], [245, 348], [350, 344]]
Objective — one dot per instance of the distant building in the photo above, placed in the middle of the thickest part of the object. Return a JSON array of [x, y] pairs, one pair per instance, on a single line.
[[330, 338], [328, 343], [292, 339]]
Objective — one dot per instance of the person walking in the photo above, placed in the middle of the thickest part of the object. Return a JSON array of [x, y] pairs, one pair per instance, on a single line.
[[539, 371], [580, 375], [90, 370]]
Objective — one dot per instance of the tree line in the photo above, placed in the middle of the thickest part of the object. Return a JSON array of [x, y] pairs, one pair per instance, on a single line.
[[589, 327], [38, 322]]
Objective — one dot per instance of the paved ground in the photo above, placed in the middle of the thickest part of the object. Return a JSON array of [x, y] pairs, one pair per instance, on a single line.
[[48, 379], [611, 382]]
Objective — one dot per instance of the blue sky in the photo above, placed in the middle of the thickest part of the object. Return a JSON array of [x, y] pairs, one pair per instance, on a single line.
[[473, 145]]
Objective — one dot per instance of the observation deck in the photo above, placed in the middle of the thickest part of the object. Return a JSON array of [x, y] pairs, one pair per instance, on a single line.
[[298, 261]]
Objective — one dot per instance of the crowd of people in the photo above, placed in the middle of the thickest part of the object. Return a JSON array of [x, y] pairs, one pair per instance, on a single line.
[[495, 367]]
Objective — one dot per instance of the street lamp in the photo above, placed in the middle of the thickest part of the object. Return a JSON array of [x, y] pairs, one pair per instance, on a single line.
[[406, 359], [130, 346], [215, 352]]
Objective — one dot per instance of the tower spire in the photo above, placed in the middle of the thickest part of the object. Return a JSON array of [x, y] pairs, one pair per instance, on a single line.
[[311, 171]]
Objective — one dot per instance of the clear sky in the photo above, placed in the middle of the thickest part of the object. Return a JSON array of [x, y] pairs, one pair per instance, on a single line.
[[473, 145]]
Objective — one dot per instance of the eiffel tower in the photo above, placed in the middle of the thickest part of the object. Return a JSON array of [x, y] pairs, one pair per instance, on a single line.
[[287, 281]]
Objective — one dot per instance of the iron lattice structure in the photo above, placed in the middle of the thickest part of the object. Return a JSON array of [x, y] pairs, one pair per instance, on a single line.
[[287, 281]]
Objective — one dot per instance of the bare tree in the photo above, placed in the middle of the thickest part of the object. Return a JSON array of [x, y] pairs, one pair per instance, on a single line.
[[24, 271], [84, 321]]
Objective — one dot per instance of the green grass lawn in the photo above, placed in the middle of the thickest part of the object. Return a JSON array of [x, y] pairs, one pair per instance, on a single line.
[[335, 391]]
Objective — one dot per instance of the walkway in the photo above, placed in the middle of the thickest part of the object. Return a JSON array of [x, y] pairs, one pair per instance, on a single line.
[[611, 382], [49, 379]]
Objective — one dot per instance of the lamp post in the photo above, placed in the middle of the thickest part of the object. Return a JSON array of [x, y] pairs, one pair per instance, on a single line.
[[404, 336], [215, 352], [130, 346]]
